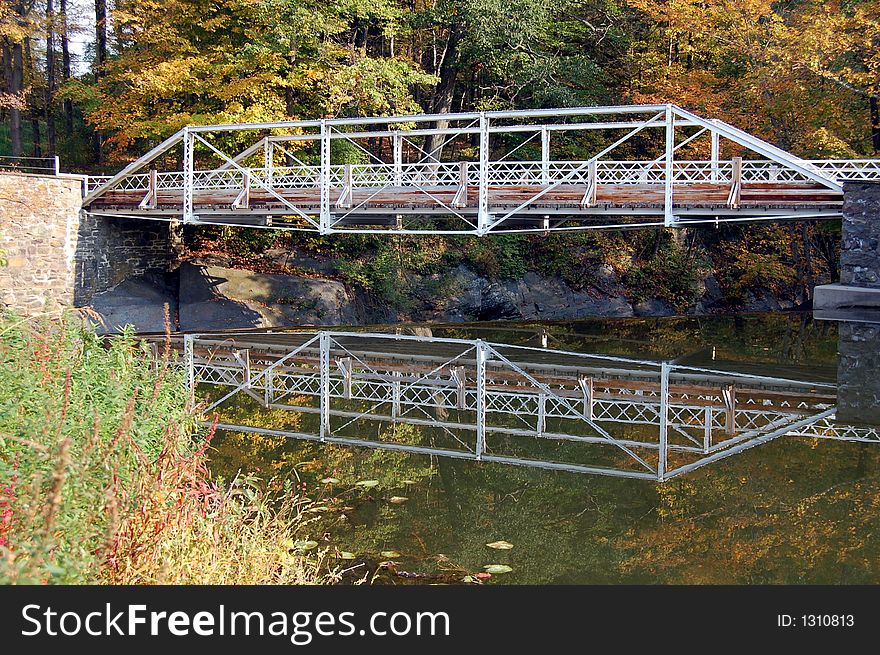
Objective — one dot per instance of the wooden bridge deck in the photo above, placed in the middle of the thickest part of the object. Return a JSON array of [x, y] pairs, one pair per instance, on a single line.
[[567, 199]]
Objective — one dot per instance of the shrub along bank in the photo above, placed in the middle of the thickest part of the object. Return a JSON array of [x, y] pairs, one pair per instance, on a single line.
[[103, 475]]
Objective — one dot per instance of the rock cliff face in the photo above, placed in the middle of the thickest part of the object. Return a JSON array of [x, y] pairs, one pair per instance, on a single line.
[[209, 294], [531, 297]]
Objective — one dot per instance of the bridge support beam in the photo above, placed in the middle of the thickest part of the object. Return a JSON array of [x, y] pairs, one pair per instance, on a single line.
[[859, 287]]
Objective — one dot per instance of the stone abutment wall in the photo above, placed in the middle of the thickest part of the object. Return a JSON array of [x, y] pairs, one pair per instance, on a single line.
[[859, 257], [56, 256]]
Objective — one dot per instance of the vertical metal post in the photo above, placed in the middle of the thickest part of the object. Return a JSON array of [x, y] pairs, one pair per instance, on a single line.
[[188, 142], [545, 156], [542, 413], [56, 162], [324, 179], [668, 218], [586, 385], [397, 156], [268, 160], [269, 393], [154, 187], [397, 168], [716, 150], [246, 368], [664, 420], [707, 430], [324, 359], [481, 398], [483, 205], [189, 358], [395, 394]]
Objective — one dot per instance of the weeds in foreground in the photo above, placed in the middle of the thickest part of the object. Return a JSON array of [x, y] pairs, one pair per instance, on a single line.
[[102, 480]]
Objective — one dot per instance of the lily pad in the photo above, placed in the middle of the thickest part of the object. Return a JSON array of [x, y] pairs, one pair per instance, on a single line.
[[397, 500], [346, 555], [497, 568], [305, 545], [390, 554], [330, 481], [367, 484], [500, 545]]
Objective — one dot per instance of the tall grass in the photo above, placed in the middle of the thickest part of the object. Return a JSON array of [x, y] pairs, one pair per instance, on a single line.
[[103, 475]]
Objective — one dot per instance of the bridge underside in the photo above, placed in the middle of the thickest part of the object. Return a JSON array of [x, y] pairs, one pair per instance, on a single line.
[[476, 173]]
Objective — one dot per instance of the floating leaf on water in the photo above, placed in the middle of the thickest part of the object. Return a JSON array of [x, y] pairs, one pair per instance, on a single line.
[[367, 484], [305, 545], [397, 500], [390, 554], [497, 568], [346, 555], [482, 576], [469, 579], [500, 545], [330, 481]]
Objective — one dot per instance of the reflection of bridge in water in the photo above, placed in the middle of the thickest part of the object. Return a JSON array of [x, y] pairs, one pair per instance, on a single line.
[[477, 400]]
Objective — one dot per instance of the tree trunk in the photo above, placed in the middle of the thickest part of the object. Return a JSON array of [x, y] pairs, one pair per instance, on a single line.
[[35, 133], [875, 123], [798, 261], [50, 77], [65, 70], [441, 102], [808, 260], [16, 82], [289, 95], [100, 61], [31, 67], [7, 75]]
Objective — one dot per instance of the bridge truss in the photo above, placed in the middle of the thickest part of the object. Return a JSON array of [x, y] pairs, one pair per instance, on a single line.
[[472, 399], [476, 173]]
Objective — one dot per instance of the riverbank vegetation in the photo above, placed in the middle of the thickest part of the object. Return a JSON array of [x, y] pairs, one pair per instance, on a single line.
[[404, 272], [104, 478]]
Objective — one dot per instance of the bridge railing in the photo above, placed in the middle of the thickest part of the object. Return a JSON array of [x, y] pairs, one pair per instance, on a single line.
[[850, 169], [500, 173]]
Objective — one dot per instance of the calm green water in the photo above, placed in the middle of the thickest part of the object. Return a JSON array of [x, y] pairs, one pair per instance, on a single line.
[[791, 511]]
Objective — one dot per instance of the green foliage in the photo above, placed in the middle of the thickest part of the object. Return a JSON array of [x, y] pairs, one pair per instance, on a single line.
[[759, 257], [502, 256], [672, 275], [250, 241], [62, 395], [102, 482], [384, 270], [571, 256]]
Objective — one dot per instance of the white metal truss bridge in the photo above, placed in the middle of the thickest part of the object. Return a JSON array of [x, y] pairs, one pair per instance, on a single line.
[[477, 173], [476, 400]]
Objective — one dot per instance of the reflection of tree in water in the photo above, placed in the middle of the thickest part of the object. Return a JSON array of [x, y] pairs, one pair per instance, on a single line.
[[793, 511]]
